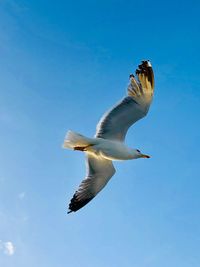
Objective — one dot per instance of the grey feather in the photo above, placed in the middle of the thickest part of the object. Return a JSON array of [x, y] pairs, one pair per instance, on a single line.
[[98, 173], [115, 123]]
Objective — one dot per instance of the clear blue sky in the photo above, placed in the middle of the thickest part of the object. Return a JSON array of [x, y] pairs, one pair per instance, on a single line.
[[62, 64]]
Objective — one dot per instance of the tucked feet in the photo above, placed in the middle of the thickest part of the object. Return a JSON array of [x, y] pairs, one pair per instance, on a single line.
[[82, 148]]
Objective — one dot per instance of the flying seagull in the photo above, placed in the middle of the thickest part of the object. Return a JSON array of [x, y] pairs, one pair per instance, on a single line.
[[108, 143]]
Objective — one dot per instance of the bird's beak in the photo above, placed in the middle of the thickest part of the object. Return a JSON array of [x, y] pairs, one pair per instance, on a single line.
[[145, 156]]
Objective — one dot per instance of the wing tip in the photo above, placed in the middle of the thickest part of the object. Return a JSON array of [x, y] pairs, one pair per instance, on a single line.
[[76, 204], [149, 63], [69, 211], [145, 68], [146, 63]]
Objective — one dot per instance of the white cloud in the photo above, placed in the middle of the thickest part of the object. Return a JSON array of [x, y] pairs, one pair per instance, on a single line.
[[7, 247]]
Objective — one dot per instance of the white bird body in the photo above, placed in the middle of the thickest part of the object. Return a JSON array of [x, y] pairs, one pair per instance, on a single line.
[[108, 144], [111, 150], [99, 147]]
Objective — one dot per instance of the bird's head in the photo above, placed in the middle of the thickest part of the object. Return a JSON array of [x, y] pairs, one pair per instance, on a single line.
[[136, 153]]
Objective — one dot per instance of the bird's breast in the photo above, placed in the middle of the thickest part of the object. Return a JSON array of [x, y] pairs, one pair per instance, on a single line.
[[112, 150]]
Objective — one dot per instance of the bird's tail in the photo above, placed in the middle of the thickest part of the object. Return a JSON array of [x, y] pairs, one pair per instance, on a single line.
[[73, 140]]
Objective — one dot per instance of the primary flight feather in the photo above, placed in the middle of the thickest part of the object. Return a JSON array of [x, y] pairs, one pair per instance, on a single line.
[[108, 143]]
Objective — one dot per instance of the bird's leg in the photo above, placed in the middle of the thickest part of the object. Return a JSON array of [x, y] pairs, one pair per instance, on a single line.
[[82, 148]]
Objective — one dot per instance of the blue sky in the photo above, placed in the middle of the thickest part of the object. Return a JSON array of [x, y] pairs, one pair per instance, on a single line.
[[62, 65]]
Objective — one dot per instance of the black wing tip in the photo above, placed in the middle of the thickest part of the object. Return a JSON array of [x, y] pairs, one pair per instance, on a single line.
[[146, 63], [70, 211], [146, 68], [76, 204]]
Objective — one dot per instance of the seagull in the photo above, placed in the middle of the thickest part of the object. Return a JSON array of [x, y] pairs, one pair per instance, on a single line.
[[108, 144]]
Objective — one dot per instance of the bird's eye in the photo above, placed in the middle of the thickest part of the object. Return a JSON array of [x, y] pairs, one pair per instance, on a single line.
[[138, 150]]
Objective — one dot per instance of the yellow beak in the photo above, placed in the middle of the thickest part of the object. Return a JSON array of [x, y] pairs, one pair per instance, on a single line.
[[145, 156]]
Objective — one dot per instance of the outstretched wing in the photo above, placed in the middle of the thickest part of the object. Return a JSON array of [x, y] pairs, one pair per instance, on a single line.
[[98, 173], [115, 123]]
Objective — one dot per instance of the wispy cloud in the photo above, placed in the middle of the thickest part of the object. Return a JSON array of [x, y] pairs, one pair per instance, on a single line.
[[15, 6], [7, 247], [21, 195]]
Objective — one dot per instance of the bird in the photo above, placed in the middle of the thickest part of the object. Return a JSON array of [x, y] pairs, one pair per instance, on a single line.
[[108, 143]]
